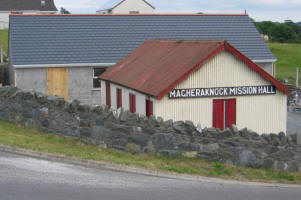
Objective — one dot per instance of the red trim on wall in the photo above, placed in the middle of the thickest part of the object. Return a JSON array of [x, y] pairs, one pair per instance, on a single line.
[[108, 94], [132, 103], [149, 108], [119, 98]]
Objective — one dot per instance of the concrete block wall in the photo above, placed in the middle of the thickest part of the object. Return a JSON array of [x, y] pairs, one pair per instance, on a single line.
[[32, 79], [80, 83]]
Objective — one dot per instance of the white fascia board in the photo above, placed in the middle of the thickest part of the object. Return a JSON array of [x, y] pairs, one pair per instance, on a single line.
[[264, 61], [65, 65]]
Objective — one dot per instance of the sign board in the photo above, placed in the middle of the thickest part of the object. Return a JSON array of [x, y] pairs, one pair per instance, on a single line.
[[222, 92]]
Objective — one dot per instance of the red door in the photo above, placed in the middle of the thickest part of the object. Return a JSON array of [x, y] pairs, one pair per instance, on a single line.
[[224, 113], [149, 108], [218, 114], [108, 94], [230, 112]]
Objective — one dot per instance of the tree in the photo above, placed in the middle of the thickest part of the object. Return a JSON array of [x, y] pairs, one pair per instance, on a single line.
[[265, 27], [283, 33], [64, 11]]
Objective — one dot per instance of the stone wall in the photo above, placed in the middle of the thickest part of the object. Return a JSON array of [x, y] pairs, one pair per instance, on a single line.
[[129, 132]]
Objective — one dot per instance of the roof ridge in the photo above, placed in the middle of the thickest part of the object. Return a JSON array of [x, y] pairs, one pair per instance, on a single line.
[[155, 14]]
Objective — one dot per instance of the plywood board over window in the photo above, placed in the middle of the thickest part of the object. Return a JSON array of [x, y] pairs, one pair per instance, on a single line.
[[57, 82]]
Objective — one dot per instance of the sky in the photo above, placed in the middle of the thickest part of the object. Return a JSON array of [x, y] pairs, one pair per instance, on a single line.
[[260, 10]]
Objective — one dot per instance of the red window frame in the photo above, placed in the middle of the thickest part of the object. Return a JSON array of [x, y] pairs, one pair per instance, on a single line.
[[132, 103], [108, 94], [119, 98], [149, 108]]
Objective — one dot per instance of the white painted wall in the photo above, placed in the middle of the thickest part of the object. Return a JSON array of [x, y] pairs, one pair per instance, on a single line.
[[131, 5], [4, 19], [263, 114], [140, 98]]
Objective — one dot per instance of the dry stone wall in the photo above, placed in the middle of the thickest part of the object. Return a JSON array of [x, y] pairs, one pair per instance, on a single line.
[[125, 131]]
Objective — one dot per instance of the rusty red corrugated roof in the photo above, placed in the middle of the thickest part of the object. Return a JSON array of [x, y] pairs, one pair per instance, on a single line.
[[157, 66]]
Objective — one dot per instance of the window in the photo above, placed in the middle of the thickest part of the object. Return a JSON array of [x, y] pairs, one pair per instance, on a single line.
[[134, 12], [96, 73], [224, 113], [119, 98], [43, 2], [132, 103], [149, 108]]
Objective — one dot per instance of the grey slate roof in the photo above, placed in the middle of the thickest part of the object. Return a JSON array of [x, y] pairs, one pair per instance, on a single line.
[[70, 39], [7, 5]]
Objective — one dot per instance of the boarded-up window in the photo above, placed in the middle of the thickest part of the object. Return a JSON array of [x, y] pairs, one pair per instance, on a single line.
[[132, 103], [119, 97], [149, 108], [57, 82]]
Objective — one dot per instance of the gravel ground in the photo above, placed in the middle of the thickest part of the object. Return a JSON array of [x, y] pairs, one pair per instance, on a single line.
[[293, 122]]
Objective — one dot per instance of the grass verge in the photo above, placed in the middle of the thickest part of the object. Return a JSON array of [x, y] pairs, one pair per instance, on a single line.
[[289, 58], [4, 39], [22, 137]]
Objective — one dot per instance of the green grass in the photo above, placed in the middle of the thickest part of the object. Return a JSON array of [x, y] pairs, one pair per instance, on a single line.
[[289, 58], [4, 39], [22, 137]]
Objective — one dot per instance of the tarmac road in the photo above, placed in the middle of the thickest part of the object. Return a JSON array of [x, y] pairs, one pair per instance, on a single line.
[[25, 178]]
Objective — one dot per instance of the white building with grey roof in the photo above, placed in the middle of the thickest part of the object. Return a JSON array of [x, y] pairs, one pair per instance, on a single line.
[[24, 7], [127, 7]]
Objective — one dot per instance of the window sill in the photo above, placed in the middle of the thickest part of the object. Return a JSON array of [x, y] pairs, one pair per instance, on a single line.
[[95, 89]]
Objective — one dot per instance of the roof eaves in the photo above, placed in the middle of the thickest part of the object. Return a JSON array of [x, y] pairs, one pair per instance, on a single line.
[[142, 14], [256, 68], [238, 55], [65, 65], [186, 75]]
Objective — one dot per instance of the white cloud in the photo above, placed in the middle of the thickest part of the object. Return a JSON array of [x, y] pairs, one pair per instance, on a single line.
[[276, 2]]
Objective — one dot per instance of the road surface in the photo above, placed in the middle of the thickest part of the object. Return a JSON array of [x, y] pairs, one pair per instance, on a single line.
[[25, 178]]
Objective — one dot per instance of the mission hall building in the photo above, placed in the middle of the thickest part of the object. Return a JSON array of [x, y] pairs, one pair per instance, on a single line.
[[207, 82]]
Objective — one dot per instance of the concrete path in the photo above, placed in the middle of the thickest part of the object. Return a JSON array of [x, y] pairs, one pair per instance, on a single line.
[[27, 178]]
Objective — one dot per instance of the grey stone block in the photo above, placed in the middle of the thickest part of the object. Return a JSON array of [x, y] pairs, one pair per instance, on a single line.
[[299, 139], [140, 138], [163, 141], [189, 147]]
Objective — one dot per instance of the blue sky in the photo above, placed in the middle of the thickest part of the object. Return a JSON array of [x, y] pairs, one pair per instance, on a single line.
[[275, 10]]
